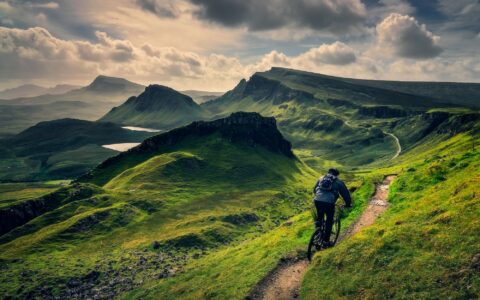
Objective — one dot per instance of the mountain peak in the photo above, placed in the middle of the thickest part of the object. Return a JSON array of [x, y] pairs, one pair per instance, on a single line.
[[156, 107], [106, 84], [158, 97]]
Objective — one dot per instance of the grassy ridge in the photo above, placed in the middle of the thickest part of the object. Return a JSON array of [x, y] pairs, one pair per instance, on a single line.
[[425, 245]]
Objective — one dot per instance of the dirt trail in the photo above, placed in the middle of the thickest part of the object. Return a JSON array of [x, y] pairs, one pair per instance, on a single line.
[[283, 283], [399, 146]]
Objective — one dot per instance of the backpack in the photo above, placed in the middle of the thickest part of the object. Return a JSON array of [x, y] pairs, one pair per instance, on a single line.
[[326, 182]]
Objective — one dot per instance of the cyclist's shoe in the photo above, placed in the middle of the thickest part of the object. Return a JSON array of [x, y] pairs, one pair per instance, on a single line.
[[327, 244]]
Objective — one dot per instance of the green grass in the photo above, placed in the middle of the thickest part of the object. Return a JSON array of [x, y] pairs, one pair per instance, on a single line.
[[12, 193], [423, 247]]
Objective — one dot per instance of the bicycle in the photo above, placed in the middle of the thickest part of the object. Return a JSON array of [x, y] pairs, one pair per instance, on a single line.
[[317, 241]]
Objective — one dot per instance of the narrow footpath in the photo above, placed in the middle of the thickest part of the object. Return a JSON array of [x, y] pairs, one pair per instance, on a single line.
[[283, 283]]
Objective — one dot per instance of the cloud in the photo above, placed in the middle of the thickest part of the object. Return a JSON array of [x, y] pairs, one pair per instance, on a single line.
[[334, 16], [337, 53], [34, 54], [405, 37], [46, 5], [162, 8]]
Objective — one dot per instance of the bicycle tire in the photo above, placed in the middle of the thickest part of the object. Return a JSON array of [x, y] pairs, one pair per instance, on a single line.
[[316, 236], [337, 225]]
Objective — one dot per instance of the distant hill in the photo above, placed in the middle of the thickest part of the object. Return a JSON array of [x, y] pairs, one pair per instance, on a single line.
[[112, 85], [25, 90], [32, 90], [157, 107], [90, 103], [202, 96], [62, 148]]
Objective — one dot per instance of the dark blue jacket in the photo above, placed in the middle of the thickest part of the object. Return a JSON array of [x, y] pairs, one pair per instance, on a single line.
[[338, 189]]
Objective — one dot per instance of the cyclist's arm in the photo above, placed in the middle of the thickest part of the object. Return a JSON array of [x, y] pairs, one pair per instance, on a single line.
[[345, 194]]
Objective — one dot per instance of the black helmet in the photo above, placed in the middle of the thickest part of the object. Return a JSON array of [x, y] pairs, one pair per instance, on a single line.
[[333, 171]]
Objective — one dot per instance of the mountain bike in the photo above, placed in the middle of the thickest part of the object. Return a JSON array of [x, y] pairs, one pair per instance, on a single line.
[[317, 241]]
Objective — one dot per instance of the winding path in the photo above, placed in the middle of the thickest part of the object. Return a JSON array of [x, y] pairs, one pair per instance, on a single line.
[[397, 141], [283, 282]]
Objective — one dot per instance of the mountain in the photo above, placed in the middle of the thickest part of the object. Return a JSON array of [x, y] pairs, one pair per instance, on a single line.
[[112, 85], [25, 90], [60, 89], [457, 93], [428, 94], [157, 107], [169, 201], [90, 103], [202, 96], [59, 149], [32, 90]]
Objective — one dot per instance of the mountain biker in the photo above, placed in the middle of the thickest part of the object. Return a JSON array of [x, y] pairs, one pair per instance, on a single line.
[[327, 190]]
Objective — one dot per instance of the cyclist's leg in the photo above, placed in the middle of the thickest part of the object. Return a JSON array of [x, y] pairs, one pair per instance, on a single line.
[[320, 212], [330, 212]]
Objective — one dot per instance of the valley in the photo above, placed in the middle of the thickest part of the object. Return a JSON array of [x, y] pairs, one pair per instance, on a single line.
[[161, 197]]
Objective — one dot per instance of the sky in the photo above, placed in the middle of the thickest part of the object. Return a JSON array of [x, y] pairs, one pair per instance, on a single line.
[[212, 44]]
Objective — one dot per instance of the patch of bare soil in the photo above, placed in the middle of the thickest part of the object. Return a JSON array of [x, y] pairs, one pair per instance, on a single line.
[[283, 282]]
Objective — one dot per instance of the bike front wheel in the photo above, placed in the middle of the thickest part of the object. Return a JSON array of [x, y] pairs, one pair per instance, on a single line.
[[335, 231]]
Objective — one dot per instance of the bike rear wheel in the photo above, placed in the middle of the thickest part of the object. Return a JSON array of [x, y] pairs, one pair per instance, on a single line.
[[315, 243], [316, 240]]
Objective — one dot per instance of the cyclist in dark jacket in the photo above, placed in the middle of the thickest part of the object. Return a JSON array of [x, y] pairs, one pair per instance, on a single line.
[[327, 190]]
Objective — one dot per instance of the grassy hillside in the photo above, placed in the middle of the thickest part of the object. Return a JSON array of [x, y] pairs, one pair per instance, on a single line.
[[60, 149], [426, 245], [207, 210], [180, 203], [157, 107]]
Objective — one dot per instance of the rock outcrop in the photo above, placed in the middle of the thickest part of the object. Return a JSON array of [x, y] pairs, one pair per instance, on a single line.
[[16, 215], [250, 128]]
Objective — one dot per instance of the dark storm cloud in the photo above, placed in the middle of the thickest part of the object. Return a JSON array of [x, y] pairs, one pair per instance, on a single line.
[[337, 16]]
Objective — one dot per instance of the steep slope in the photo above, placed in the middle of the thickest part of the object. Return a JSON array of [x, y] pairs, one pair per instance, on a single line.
[[427, 244], [407, 94], [162, 206], [457, 93], [90, 103], [62, 148], [157, 107]]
